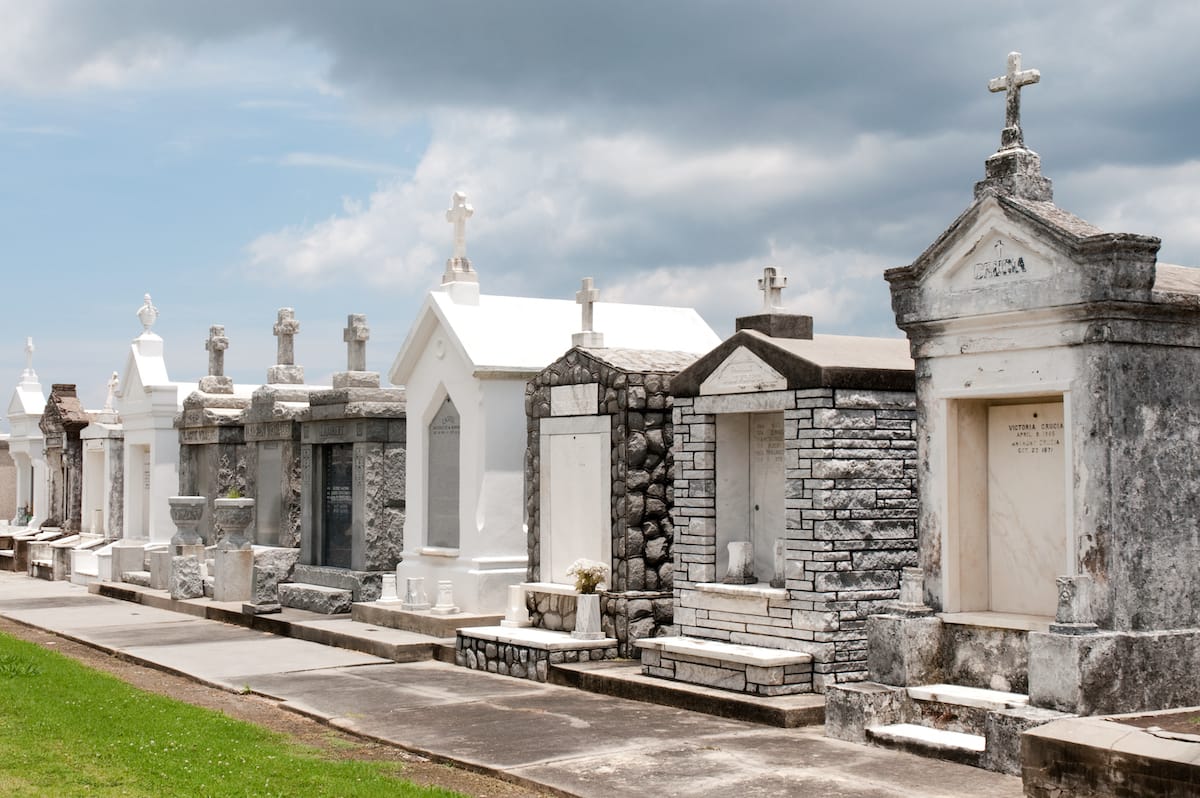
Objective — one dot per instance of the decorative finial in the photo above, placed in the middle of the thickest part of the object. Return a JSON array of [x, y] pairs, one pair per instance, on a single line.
[[29, 375], [458, 266], [586, 296], [113, 383], [216, 345], [1010, 83], [356, 335], [772, 284], [147, 314], [285, 330]]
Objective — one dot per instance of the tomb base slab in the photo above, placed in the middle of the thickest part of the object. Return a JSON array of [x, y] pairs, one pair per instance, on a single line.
[[525, 653], [744, 669]]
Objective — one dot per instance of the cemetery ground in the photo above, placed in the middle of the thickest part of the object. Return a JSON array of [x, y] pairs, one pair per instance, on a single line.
[[43, 696]]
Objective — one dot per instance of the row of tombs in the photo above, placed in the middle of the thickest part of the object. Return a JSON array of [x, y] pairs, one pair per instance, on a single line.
[[953, 537]]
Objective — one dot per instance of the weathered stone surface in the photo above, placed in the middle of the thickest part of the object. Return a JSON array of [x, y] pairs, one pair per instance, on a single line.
[[271, 566], [314, 598], [904, 651], [185, 578]]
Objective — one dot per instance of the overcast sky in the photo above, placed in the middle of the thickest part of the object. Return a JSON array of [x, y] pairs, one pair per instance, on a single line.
[[233, 158]]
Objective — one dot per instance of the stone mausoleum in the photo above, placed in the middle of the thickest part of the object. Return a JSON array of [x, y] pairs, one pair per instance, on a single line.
[[794, 503], [1059, 532]]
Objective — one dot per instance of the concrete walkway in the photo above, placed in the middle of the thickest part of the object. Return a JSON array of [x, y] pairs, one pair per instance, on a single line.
[[574, 742]]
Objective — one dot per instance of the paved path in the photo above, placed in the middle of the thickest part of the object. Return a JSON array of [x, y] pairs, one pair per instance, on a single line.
[[575, 742]]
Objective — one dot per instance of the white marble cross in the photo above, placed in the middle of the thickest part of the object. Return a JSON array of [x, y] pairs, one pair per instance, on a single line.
[[1011, 82], [147, 314], [356, 335], [460, 210], [772, 284], [285, 330], [113, 382], [216, 345], [585, 296], [29, 354]]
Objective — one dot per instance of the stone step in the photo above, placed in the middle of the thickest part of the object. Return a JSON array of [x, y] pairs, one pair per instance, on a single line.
[[140, 578], [975, 697], [968, 749], [315, 598], [42, 569], [755, 670]]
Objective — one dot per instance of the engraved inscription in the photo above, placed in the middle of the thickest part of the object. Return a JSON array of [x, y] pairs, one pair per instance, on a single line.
[[999, 266], [1036, 437], [333, 430], [199, 435]]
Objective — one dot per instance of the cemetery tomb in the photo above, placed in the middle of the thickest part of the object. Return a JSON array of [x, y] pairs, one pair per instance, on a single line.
[[794, 504], [61, 424], [8, 483], [27, 449], [103, 473], [352, 454], [469, 355], [598, 477], [1057, 528]]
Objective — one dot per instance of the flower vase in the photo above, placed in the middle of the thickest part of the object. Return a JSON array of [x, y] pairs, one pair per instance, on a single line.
[[587, 617]]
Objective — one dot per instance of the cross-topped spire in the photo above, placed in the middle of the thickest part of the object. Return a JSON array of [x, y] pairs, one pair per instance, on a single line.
[[29, 374], [585, 296], [1010, 83], [356, 335], [147, 314], [216, 345], [772, 284], [285, 330], [460, 210], [113, 383]]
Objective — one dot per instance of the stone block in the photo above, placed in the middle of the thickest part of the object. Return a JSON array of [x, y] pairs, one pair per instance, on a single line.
[[764, 676], [232, 576], [315, 598], [271, 566], [160, 568], [1003, 729], [185, 580], [709, 676], [851, 708], [128, 555]]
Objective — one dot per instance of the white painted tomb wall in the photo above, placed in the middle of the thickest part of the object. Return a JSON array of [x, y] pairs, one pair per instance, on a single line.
[[27, 446]]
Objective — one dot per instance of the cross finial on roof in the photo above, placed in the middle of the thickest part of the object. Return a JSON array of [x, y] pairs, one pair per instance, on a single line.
[[285, 330], [113, 382], [216, 345], [29, 375], [356, 335], [772, 284], [147, 314], [460, 210], [586, 296], [1010, 83]]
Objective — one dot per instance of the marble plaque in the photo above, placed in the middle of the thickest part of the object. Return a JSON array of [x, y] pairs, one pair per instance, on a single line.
[[742, 372], [1026, 510], [443, 478], [337, 505], [574, 400], [576, 514], [767, 516], [270, 493]]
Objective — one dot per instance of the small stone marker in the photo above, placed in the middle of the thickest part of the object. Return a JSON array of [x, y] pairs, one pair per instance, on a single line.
[[414, 594], [586, 297], [285, 370], [113, 383], [741, 564], [445, 599], [216, 344], [772, 284], [1010, 83]]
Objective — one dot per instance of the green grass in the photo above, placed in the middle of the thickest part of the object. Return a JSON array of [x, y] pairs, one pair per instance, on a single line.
[[68, 730]]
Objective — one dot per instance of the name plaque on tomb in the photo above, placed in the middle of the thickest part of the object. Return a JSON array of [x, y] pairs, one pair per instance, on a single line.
[[767, 489], [337, 505], [1026, 507], [269, 431], [742, 372], [443, 477], [198, 436]]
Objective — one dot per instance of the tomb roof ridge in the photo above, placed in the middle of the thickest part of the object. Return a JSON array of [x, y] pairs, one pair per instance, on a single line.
[[631, 359], [823, 361]]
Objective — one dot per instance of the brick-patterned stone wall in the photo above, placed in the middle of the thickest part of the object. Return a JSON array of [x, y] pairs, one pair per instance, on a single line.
[[851, 509], [639, 406]]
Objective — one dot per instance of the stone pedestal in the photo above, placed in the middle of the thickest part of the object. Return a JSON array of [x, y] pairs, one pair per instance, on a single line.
[[128, 555], [587, 617], [233, 516], [186, 512], [741, 564], [160, 568], [387, 589], [516, 614], [414, 594], [233, 574], [445, 599]]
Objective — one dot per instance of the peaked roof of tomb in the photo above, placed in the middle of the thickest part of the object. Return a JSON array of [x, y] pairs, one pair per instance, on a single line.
[[64, 411], [823, 361], [641, 360], [522, 335]]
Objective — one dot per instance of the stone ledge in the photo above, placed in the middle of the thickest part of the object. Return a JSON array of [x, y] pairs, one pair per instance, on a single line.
[[999, 620], [976, 697], [549, 587], [757, 590], [724, 652], [532, 637]]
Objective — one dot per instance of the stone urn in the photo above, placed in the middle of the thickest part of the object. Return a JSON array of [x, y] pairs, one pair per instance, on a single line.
[[587, 617], [186, 512], [232, 517]]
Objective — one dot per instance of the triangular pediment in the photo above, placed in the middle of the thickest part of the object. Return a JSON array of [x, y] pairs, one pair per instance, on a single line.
[[742, 372]]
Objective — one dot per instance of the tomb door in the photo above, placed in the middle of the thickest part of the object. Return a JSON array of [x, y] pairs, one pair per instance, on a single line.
[[767, 516], [575, 495], [93, 486], [443, 474], [337, 506], [270, 489], [1026, 507]]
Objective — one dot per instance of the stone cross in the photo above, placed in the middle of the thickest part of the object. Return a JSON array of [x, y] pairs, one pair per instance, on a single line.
[[285, 330], [585, 296], [356, 335], [113, 382], [772, 284], [29, 354], [216, 345], [1010, 83], [460, 210], [147, 314]]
